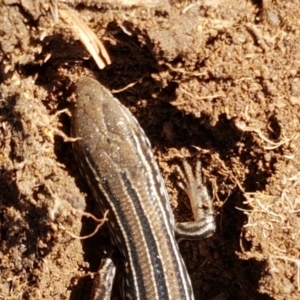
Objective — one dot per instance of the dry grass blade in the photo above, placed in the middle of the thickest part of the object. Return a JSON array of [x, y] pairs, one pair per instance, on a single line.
[[86, 35]]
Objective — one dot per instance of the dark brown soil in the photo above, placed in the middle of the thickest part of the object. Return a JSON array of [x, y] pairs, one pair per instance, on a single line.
[[218, 79]]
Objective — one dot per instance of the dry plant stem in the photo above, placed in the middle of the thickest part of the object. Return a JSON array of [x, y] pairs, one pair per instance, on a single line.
[[273, 145], [199, 98], [126, 87], [88, 38], [128, 3], [256, 200], [60, 132], [88, 215]]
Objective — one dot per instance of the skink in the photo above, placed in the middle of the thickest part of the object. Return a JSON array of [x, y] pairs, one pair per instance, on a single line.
[[115, 157]]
